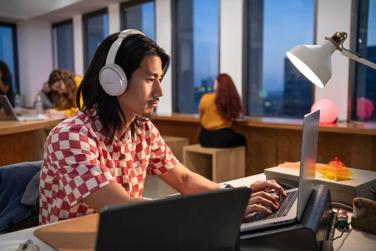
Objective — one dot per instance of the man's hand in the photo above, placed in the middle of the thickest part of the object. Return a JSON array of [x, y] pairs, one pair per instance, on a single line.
[[265, 196]]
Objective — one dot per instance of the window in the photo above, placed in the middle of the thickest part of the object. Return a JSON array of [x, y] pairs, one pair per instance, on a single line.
[[95, 31], [62, 37], [364, 95], [196, 51], [139, 15], [273, 86], [8, 53]]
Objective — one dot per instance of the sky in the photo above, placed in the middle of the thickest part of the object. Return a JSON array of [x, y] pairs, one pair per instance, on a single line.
[[287, 23]]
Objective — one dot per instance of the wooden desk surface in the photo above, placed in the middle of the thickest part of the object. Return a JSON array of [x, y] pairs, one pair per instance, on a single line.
[[11, 127]]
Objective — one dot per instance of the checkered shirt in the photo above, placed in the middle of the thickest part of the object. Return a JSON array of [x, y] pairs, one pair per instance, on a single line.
[[79, 159]]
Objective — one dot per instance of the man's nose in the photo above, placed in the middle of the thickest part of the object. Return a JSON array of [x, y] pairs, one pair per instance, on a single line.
[[157, 89]]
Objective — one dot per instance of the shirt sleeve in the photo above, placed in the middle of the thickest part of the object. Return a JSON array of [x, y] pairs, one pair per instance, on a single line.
[[162, 158], [74, 154]]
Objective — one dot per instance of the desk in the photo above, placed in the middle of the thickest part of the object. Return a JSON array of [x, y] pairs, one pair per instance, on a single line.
[[354, 241], [23, 141], [271, 141]]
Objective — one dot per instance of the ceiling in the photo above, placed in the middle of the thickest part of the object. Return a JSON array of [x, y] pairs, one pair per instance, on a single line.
[[48, 10]]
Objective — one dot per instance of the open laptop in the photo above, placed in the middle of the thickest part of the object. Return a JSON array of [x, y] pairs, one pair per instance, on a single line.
[[291, 209], [11, 114], [206, 221]]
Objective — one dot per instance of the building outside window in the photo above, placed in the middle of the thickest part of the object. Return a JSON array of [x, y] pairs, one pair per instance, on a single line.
[[364, 84], [8, 52], [62, 37], [273, 87], [95, 31], [195, 50], [139, 15]]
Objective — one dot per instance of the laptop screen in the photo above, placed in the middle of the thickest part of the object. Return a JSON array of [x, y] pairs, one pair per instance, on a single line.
[[311, 124], [6, 105], [206, 221]]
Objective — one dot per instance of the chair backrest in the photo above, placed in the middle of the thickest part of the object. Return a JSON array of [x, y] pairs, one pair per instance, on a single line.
[[13, 181]]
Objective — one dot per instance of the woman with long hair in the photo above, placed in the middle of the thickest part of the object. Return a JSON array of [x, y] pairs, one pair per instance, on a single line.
[[6, 81], [217, 112]]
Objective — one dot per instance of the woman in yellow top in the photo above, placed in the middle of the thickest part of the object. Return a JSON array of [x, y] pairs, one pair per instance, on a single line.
[[217, 112], [63, 87]]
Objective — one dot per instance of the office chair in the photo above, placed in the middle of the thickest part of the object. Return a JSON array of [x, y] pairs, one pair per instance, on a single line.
[[14, 179]]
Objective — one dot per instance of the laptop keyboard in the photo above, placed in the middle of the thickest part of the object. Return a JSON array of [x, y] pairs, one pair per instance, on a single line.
[[285, 203]]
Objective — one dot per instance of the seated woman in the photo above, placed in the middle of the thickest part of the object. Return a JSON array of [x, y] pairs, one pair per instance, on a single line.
[[6, 82], [217, 112], [60, 93]]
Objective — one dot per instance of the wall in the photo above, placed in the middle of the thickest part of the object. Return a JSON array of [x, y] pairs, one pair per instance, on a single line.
[[34, 57], [335, 15]]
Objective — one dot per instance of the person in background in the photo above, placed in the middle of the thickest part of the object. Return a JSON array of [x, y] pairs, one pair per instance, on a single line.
[[217, 111], [59, 93], [45, 97], [6, 82], [101, 155]]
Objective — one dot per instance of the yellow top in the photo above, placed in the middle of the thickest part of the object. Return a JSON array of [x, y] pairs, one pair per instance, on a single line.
[[209, 117], [69, 112]]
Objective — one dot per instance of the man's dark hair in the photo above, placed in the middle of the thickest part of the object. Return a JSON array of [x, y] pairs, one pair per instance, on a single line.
[[129, 56]]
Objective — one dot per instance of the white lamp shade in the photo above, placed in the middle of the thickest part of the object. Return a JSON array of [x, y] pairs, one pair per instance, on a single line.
[[313, 61]]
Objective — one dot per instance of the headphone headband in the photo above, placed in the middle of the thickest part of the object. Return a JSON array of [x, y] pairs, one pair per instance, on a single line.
[[110, 59]]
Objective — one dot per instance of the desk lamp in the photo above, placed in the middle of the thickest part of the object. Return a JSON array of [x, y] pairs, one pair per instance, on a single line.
[[314, 61]]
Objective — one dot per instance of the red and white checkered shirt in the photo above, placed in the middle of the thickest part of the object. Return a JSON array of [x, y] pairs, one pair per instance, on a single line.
[[79, 159]]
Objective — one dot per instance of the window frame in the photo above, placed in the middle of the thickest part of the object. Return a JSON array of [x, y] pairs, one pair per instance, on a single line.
[[85, 17], [174, 51], [54, 43], [131, 3], [13, 27], [245, 61]]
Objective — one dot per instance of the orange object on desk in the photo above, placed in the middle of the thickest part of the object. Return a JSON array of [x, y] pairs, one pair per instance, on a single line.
[[335, 170]]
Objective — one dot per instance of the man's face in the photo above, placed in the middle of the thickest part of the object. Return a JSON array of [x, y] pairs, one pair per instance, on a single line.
[[144, 88]]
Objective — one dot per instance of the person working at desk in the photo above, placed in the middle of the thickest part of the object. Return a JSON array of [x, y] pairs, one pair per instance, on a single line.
[[217, 112], [101, 155], [6, 82], [59, 93]]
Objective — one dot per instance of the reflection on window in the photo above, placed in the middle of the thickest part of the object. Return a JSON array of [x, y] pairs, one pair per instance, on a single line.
[[196, 51], [8, 54], [273, 86], [95, 31], [364, 99], [139, 16], [63, 45]]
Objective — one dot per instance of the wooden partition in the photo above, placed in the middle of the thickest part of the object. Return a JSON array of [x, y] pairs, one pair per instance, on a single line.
[[23, 141], [272, 141]]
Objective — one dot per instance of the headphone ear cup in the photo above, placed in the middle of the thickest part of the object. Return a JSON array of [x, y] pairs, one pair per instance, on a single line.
[[113, 79]]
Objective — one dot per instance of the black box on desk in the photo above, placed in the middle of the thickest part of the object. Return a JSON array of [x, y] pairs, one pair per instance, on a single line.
[[360, 184]]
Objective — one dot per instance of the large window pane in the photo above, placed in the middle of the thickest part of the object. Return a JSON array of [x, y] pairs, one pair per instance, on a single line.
[[95, 31], [139, 16], [63, 45], [196, 51], [8, 54], [273, 86], [364, 99]]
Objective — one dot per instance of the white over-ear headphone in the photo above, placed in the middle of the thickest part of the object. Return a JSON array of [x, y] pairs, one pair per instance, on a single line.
[[112, 77]]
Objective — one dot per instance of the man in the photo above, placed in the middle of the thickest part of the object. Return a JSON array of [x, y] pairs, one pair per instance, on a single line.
[[101, 155]]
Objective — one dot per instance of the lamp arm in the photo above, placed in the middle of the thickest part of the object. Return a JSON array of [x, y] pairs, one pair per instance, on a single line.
[[357, 58]]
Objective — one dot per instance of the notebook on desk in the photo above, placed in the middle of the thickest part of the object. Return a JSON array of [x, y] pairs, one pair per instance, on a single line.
[[292, 207], [11, 114], [207, 221]]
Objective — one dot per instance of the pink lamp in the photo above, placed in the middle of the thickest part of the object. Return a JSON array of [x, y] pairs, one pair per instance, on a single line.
[[328, 110]]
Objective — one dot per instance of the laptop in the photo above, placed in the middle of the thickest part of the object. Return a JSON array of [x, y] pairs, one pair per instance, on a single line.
[[11, 114], [205, 221], [292, 207]]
